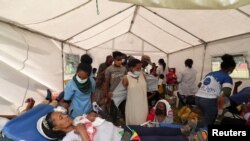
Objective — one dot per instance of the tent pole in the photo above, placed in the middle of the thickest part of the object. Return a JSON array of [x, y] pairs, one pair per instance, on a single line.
[[113, 45], [62, 47], [133, 19], [142, 48], [203, 60]]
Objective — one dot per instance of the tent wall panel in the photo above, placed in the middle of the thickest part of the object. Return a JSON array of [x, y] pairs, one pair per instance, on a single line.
[[32, 54], [234, 46], [177, 60], [43, 61], [99, 53], [13, 50], [67, 49], [16, 87]]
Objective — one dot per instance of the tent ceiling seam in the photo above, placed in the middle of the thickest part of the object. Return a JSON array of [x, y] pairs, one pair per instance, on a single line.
[[105, 29], [210, 42], [14, 24], [234, 36], [105, 42], [148, 42], [164, 30], [133, 19], [242, 12], [60, 15], [92, 26], [200, 39]]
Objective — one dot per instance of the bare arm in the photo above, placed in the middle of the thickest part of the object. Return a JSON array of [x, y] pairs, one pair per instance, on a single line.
[[236, 85], [199, 85], [125, 81], [226, 91], [8, 116]]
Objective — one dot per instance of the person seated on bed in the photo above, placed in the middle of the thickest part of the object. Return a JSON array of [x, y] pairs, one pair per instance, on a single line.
[[56, 125], [160, 113]]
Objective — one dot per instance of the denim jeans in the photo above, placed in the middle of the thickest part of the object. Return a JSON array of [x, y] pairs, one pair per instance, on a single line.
[[209, 110]]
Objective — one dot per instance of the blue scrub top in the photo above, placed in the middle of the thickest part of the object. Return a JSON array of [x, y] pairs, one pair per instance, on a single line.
[[80, 102]]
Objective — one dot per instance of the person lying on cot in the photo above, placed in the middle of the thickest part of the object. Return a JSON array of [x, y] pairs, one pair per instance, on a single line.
[[56, 125]]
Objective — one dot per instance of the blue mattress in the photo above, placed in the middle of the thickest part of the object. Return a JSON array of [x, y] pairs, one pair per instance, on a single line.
[[24, 128]]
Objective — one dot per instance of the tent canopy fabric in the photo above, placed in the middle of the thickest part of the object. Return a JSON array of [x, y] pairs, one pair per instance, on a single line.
[[84, 27], [36, 35]]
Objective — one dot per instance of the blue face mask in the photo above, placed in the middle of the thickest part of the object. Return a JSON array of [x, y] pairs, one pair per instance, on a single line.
[[81, 81]]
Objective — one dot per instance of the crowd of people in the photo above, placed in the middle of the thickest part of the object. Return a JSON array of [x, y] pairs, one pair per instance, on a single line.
[[89, 100]]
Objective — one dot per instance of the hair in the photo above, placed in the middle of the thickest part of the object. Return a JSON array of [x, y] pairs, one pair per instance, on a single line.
[[94, 70], [133, 63], [189, 63], [84, 67], [107, 57], [87, 59], [162, 62], [161, 76], [47, 127], [117, 54], [227, 62]]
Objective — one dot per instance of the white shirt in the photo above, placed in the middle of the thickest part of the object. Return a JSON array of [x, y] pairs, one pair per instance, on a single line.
[[105, 132], [72, 136], [186, 81]]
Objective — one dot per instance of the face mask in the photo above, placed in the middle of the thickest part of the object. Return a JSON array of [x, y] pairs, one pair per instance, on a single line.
[[80, 80], [160, 112], [137, 73]]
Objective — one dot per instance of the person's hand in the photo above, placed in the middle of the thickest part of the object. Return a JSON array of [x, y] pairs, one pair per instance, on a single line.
[[238, 83], [30, 103], [80, 129], [96, 107]]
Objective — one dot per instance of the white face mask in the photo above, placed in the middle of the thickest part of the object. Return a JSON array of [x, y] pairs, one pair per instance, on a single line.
[[134, 74], [123, 60], [81, 81], [137, 73]]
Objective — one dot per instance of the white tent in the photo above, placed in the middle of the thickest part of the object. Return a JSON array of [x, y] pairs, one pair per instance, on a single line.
[[36, 34]]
